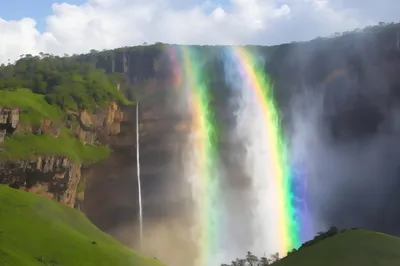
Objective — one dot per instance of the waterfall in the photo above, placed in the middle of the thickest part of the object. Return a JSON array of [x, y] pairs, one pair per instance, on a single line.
[[138, 176]]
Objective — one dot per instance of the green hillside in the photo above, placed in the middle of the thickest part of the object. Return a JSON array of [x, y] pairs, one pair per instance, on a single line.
[[351, 248], [34, 105], [35, 231], [54, 88], [25, 145]]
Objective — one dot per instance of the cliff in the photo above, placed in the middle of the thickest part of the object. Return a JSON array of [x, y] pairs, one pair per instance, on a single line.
[[55, 176], [56, 117], [367, 59], [363, 65]]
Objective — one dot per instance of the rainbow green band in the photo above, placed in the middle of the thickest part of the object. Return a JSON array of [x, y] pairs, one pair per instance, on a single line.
[[281, 172], [204, 131]]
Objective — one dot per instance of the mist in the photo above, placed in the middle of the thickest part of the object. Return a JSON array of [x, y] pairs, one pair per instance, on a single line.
[[250, 134], [169, 224], [343, 146], [351, 166]]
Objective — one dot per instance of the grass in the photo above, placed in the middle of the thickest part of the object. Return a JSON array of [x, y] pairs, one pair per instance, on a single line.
[[350, 248], [123, 100], [27, 145], [34, 106], [36, 231]]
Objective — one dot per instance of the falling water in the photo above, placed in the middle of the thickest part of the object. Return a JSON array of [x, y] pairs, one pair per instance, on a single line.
[[138, 176], [257, 159], [258, 163]]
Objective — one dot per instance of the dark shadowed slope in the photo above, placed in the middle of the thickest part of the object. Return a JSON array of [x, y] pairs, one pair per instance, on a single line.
[[351, 248], [35, 231]]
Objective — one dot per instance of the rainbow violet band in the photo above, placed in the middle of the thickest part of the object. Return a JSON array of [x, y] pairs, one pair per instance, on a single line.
[[281, 172]]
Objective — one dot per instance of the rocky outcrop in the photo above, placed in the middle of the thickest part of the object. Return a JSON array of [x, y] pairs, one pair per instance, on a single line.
[[112, 183], [9, 118], [54, 176], [46, 126], [97, 126]]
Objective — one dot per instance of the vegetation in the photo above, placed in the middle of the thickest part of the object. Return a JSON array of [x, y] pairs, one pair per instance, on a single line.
[[57, 235], [49, 86], [335, 248], [65, 82], [52, 87], [34, 107], [354, 247], [255, 261], [28, 145]]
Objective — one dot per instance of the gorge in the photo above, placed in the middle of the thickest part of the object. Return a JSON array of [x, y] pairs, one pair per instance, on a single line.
[[339, 100]]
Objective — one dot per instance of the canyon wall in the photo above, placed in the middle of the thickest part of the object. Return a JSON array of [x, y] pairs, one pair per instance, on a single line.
[[362, 65], [56, 177], [356, 74]]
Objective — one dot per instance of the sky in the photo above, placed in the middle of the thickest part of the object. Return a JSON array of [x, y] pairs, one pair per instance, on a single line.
[[76, 26]]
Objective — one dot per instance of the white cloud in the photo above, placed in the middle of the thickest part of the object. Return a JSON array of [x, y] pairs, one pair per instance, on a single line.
[[103, 24]]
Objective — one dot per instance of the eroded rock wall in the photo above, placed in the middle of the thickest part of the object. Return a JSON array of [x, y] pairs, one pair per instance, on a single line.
[[56, 177]]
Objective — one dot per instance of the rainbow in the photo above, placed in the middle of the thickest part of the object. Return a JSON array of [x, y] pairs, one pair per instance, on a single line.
[[283, 177], [300, 202], [204, 141], [334, 74]]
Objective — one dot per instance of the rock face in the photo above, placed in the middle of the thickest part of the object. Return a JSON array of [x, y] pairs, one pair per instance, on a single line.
[[159, 132], [351, 65], [56, 177], [9, 118], [335, 66], [112, 184]]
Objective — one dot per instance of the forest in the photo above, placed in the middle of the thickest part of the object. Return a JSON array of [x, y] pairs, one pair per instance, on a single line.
[[57, 89], [65, 82]]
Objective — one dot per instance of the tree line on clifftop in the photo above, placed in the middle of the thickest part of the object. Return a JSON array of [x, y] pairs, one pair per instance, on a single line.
[[89, 80], [56, 89], [64, 81], [252, 260]]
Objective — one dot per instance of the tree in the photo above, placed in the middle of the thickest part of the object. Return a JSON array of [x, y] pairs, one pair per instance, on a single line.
[[333, 230], [13, 83], [252, 259], [64, 81], [264, 261], [275, 257], [239, 262]]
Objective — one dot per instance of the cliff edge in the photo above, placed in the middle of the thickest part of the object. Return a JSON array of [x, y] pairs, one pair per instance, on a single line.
[[48, 131]]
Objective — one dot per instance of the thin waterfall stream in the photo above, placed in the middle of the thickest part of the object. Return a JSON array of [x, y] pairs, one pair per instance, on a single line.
[[138, 177]]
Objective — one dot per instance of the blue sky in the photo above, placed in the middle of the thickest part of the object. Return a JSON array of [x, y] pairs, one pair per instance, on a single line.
[[38, 10]]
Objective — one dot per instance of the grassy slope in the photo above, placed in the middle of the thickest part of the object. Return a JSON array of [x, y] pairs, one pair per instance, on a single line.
[[34, 106], [351, 248], [28, 145], [33, 227], [24, 146]]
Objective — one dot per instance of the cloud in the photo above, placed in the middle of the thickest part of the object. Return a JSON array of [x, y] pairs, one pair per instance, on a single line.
[[105, 24]]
